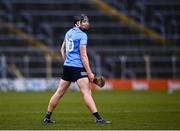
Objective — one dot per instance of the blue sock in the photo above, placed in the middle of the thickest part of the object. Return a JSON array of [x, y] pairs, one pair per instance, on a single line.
[[97, 116], [48, 115]]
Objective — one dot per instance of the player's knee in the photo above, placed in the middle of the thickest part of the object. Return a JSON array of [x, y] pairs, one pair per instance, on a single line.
[[60, 92], [86, 93]]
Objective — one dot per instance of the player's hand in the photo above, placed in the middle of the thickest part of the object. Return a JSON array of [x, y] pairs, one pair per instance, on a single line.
[[91, 77]]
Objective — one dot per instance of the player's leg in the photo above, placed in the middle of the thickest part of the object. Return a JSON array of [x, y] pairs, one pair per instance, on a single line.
[[83, 84], [62, 87]]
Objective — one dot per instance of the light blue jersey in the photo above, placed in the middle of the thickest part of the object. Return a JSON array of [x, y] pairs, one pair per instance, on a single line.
[[73, 38]]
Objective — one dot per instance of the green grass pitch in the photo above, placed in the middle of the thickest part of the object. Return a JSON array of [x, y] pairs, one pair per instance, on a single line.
[[126, 109]]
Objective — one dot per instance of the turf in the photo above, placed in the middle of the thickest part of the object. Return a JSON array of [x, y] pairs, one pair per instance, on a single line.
[[126, 109]]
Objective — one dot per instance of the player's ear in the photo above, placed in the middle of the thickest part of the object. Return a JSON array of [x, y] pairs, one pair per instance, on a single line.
[[78, 23]]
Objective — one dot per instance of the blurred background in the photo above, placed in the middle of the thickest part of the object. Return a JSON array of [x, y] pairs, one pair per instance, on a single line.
[[128, 39]]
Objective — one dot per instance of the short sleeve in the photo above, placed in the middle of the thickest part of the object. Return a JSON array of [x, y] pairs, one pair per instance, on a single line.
[[83, 39]]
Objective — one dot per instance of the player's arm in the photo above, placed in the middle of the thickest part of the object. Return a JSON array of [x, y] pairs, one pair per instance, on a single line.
[[63, 50], [85, 62]]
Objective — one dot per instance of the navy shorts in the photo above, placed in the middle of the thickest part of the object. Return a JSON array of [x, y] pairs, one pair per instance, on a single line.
[[72, 74]]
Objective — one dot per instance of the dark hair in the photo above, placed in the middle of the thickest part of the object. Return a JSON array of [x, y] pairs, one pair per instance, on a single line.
[[79, 18]]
